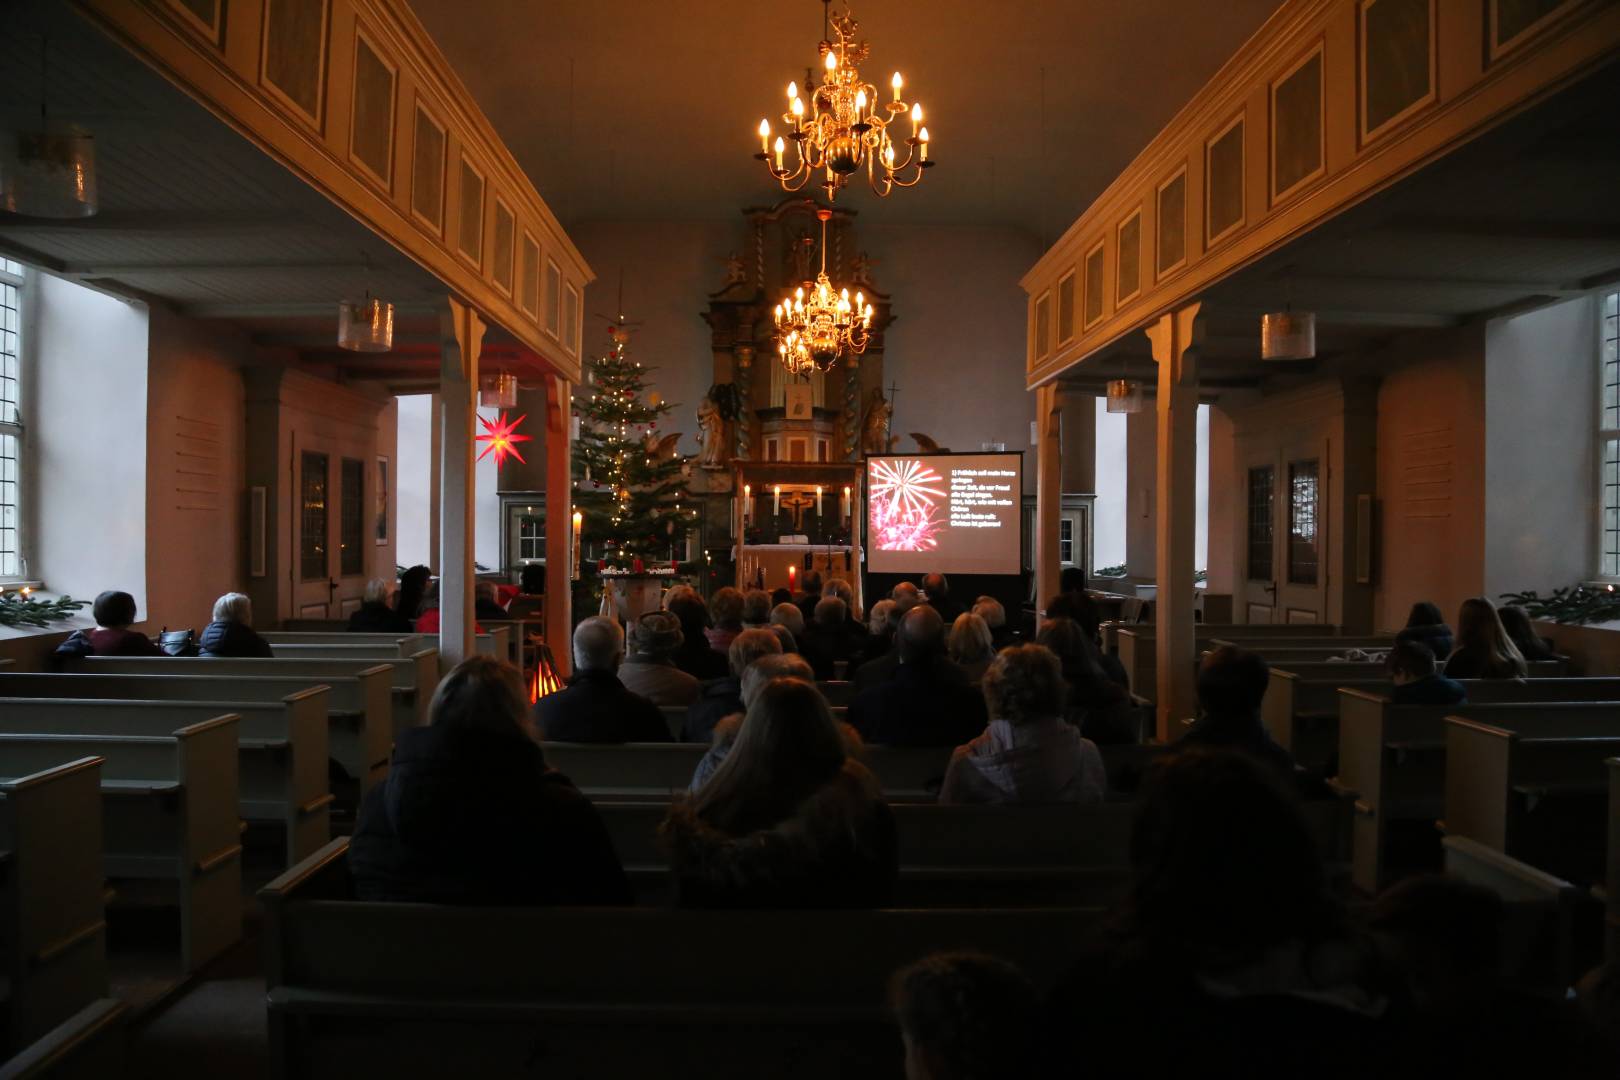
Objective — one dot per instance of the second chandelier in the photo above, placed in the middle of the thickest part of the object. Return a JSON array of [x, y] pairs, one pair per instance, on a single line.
[[817, 325], [845, 128]]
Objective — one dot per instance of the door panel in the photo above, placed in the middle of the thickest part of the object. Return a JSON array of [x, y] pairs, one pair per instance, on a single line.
[[332, 543], [1285, 538]]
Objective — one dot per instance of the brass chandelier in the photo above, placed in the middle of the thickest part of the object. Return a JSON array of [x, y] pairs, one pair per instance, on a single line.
[[846, 128], [817, 324]]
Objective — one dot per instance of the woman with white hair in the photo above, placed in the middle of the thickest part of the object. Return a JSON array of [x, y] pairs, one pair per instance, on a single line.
[[231, 632], [376, 615]]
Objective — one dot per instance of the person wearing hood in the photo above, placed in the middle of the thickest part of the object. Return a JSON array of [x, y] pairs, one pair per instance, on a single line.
[[1027, 754], [788, 820], [231, 633], [471, 814]]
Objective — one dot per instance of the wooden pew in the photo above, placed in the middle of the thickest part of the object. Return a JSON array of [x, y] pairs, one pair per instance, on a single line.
[[89, 1045], [168, 814], [360, 728], [1136, 645], [414, 678], [838, 692], [608, 992], [408, 643], [1532, 784], [281, 749], [1537, 933], [495, 643], [1393, 759], [53, 930], [1301, 709]]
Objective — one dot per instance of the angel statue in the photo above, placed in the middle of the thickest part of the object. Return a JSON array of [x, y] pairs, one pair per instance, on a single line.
[[663, 449], [875, 428], [712, 422]]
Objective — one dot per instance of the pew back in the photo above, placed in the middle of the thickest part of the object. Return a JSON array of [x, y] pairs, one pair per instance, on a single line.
[[660, 771], [407, 644], [1537, 930]]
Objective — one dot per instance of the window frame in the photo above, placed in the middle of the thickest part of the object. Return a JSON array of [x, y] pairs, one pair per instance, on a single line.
[[18, 429], [1603, 435]]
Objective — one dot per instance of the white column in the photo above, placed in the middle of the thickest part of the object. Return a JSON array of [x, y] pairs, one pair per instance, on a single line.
[[559, 526], [1048, 492], [1175, 339], [461, 335]]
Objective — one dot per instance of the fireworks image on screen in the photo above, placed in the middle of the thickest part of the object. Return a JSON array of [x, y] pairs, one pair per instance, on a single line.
[[904, 506]]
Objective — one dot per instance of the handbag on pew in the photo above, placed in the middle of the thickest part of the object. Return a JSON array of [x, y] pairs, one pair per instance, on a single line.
[[177, 642]]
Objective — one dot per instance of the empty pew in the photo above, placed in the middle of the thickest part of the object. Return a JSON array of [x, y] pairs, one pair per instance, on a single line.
[[1392, 759], [495, 643], [414, 678], [89, 1045], [408, 643], [1301, 707], [1537, 931], [168, 814], [281, 749], [1531, 783], [1137, 645], [359, 732], [53, 930], [607, 992]]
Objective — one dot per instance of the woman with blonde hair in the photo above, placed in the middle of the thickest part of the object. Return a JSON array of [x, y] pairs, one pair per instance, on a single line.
[[1484, 650], [788, 820], [471, 814], [970, 645]]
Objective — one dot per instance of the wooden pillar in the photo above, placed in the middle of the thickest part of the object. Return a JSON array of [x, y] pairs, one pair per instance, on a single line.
[[1175, 339], [559, 526], [1048, 492], [461, 336], [435, 492]]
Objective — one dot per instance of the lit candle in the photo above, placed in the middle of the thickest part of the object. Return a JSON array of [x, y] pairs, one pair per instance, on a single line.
[[780, 146], [793, 579], [764, 136], [922, 142], [844, 506], [776, 501], [916, 117], [832, 62], [896, 82], [748, 502], [818, 500]]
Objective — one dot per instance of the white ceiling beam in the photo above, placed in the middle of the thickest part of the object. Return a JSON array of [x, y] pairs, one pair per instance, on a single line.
[[128, 269], [1399, 282]]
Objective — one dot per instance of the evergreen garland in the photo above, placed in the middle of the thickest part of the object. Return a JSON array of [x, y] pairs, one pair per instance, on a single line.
[[21, 609], [1575, 604], [629, 485]]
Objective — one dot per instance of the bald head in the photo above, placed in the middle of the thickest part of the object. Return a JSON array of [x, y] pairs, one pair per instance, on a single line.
[[922, 634], [598, 645], [906, 590], [936, 586]]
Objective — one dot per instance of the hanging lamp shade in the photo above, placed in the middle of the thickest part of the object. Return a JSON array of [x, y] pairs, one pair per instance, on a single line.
[[367, 326], [48, 174], [1124, 396], [499, 391], [1288, 335]]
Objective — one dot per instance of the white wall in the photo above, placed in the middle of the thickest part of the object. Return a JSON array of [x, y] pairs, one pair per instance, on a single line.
[[87, 440], [487, 499], [1541, 384], [1109, 536], [413, 480], [1113, 500]]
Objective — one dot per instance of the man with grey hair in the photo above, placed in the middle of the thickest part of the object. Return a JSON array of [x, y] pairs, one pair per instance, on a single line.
[[929, 701], [881, 659], [790, 616], [827, 641], [905, 590], [648, 670], [596, 707], [231, 633], [376, 614], [994, 615], [756, 609]]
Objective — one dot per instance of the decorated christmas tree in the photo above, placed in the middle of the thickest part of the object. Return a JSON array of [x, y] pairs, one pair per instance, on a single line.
[[629, 484]]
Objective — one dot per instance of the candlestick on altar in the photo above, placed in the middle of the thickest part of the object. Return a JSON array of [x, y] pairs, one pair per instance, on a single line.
[[793, 579], [748, 502], [843, 507], [579, 521], [776, 501], [818, 500]]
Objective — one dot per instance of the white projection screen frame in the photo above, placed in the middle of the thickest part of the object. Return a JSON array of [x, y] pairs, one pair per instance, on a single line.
[[951, 513]]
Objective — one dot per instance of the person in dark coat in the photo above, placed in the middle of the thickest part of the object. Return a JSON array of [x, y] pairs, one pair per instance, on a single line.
[[929, 701], [807, 600], [1531, 646], [938, 589], [994, 615], [827, 639], [231, 633], [788, 820], [1425, 624], [723, 697], [694, 656], [1095, 704], [114, 612], [1417, 682], [486, 602], [376, 615], [595, 707], [881, 659], [470, 813], [413, 585], [1484, 650], [1231, 685]]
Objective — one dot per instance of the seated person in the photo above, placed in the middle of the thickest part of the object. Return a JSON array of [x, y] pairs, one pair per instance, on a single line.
[[811, 596], [726, 610], [231, 633], [906, 590], [826, 641], [470, 814], [486, 602], [1097, 705], [1532, 646], [756, 608], [1027, 754], [928, 702], [1484, 650], [754, 677], [969, 646], [1079, 608], [1425, 624], [722, 697], [1417, 682], [938, 590], [530, 601], [428, 618], [882, 659], [852, 614], [694, 656], [1231, 686], [648, 670], [965, 1016], [780, 595], [114, 612], [788, 820], [376, 614], [413, 586], [994, 615], [595, 707], [790, 616], [790, 644]]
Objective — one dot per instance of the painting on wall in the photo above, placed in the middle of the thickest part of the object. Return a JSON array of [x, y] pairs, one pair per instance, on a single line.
[[382, 500]]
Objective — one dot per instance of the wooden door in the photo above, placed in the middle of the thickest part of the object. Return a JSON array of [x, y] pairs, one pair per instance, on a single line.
[[332, 544], [1285, 538]]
